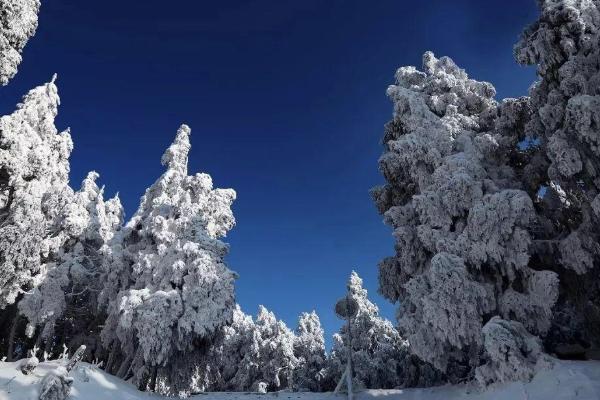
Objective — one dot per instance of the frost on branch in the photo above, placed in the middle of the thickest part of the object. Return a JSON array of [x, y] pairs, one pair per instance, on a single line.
[[578, 252], [167, 286], [18, 22], [34, 191], [496, 232], [534, 305]]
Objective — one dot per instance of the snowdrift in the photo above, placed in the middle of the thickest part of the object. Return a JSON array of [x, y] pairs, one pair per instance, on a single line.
[[566, 380]]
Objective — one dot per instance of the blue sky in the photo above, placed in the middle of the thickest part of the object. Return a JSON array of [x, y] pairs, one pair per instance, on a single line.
[[286, 100]]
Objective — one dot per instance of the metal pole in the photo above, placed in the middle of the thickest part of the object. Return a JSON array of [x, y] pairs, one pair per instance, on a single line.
[[346, 308], [349, 366]]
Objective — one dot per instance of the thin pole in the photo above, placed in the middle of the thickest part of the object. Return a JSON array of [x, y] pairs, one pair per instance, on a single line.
[[349, 365]]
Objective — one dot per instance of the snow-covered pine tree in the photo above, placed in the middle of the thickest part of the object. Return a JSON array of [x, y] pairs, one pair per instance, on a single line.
[[380, 357], [34, 195], [309, 350], [18, 22], [167, 288], [68, 294]]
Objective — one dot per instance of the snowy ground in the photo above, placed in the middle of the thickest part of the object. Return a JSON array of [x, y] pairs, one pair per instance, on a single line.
[[567, 380]]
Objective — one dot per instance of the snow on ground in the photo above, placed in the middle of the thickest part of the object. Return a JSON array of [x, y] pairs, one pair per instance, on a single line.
[[567, 380]]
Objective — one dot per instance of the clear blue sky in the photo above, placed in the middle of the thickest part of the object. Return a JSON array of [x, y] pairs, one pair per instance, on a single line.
[[286, 100]]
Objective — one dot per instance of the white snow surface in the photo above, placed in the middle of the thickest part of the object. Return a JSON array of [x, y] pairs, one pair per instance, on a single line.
[[566, 380]]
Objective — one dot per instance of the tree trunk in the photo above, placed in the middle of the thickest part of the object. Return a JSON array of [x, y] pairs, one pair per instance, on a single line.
[[11, 336], [111, 359], [153, 379], [143, 382], [76, 358], [124, 368]]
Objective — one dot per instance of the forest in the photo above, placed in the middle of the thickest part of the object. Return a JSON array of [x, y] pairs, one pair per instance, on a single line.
[[494, 207]]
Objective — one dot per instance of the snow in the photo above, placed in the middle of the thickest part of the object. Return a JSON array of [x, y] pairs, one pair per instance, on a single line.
[[567, 380]]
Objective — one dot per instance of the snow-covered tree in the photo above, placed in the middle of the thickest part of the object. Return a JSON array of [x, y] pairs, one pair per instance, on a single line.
[[34, 195], [259, 355], [245, 355], [18, 22], [34, 190], [50, 236], [380, 356], [459, 216], [275, 358], [232, 362], [309, 350], [492, 203], [565, 122], [68, 293], [167, 286]]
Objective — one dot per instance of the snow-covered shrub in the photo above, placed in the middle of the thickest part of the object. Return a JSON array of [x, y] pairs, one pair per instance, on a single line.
[[28, 365], [167, 287], [18, 22], [260, 387]]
